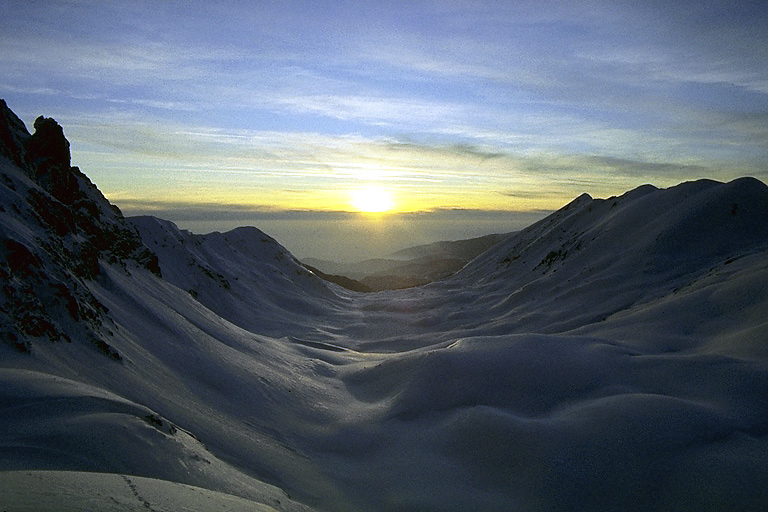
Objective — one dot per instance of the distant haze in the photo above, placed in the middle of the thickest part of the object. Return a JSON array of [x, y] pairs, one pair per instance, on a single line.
[[338, 236]]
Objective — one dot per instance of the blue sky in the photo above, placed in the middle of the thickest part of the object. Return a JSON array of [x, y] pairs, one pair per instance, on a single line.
[[241, 110]]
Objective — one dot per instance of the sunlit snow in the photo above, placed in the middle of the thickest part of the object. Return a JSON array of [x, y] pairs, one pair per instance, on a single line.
[[613, 356]]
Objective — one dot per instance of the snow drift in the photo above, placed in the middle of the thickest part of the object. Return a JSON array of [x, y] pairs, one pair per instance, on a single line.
[[612, 356]]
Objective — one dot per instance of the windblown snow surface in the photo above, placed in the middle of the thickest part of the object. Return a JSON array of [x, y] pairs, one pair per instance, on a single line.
[[613, 356]]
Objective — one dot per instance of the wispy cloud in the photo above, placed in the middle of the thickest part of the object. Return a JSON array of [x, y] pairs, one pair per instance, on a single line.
[[274, 170], [518, 104]]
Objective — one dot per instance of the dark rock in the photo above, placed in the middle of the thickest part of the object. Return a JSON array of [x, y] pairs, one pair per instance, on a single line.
[[48, 158], [53, 215], [20, 260], [48, 143], [13, 135]]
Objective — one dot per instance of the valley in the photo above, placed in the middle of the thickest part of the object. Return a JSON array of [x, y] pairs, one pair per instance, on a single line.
[[612, 356]]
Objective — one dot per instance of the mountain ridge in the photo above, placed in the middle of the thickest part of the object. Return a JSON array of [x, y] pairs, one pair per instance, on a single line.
[[243, 275], [601, 250]]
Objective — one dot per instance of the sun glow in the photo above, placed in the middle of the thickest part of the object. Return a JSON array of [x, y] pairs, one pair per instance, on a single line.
[[372, 200]]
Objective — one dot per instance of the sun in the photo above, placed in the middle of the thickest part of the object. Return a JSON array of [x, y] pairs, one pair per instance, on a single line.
[[372, 200]]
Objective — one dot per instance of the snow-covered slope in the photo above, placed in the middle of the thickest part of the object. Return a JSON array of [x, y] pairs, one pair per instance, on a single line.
[[243, 275], [595, 258], [93, 338], [613, 356], [79, 491]]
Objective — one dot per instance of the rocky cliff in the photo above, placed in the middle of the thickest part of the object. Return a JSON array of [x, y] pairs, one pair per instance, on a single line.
[[56, 231]]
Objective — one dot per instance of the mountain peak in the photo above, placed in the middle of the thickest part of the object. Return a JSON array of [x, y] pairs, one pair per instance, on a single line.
[[581, 199], [44, 156], [48, 160], [13, 135]]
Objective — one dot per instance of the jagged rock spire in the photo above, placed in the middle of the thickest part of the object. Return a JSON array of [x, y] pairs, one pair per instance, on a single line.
[[48, 144]]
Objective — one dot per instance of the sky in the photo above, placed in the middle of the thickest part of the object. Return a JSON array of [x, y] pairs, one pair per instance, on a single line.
[[458, 118]]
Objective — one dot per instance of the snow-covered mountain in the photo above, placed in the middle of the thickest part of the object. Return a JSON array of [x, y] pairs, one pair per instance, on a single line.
[[613, 356], [596, 258], [244, 276]]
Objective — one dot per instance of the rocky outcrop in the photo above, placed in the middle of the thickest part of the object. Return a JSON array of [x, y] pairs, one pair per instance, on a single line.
[[48, 158], [67, 203], [56, 232]]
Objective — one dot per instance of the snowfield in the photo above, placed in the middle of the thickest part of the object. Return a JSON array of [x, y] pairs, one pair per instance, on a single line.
[[613, 356], [71, 491]]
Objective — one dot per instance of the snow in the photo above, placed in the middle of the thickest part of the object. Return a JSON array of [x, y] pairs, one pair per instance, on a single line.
[[244, 276], [71, 491], [610, 357]]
